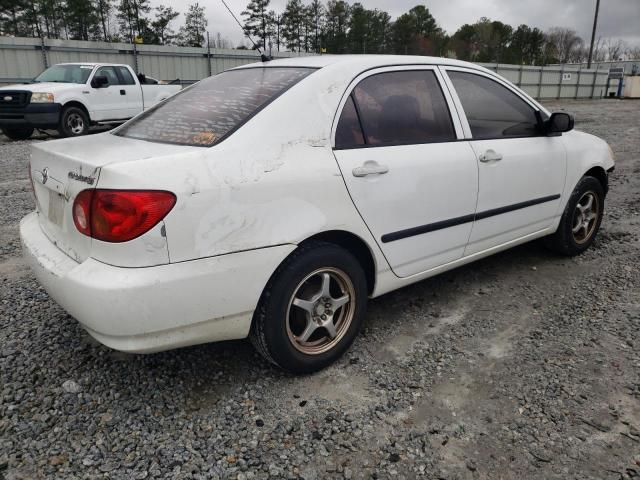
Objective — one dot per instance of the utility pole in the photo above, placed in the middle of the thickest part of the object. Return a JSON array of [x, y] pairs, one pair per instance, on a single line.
[[593, 34]]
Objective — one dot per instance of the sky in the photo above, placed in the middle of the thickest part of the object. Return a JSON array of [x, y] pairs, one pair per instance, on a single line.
[[618, 18]]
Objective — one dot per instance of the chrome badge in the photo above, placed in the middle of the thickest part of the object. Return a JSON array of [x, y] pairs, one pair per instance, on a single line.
[[8, 98], [45, 175]]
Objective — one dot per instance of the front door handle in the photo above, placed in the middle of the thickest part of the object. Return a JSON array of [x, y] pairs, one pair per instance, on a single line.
[[123, 92], [370, 167], [490, 156]]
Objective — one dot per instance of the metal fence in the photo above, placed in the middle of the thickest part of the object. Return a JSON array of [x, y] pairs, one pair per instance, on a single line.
[[21, 59], [630, 67], [558, 81]]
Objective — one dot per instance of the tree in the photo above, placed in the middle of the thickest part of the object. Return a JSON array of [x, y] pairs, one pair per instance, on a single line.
[[195, 25], [315, 18], [337, 22], [415, 32], [131, 18], [562, 44], [293, 23], [615, 49], [160, 26], [257, 21], [274, 28], [104, 9], [82, 20], [464, 42], [526, 46]]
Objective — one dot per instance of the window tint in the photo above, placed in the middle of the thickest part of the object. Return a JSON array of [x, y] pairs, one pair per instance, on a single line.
[[399, 108], [110, 73], [125, 76], [204, 113], [493, 111], [349, 133]]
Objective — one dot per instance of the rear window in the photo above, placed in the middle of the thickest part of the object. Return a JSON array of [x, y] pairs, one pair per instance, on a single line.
[[204, 114]]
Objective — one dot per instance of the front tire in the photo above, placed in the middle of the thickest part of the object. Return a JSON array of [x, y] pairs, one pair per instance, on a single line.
[[312, 308], [18, 133], [74, 122], [581, 219]]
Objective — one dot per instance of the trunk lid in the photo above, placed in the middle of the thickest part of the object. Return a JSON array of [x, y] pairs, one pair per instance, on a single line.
[[61, 169]]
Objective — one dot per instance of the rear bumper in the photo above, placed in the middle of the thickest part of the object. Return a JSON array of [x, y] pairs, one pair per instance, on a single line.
[[158, 308], [37, 115]]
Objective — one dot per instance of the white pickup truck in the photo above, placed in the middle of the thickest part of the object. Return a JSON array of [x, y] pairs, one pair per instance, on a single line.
[[69, 97]]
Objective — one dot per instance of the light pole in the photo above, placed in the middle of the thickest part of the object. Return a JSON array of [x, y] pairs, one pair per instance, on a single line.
[[593, 33]]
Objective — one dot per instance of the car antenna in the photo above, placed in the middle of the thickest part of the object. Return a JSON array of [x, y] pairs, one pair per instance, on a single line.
[[263, 57]]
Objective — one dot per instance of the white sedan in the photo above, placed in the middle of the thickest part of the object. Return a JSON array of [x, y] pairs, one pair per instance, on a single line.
[[272, 200]]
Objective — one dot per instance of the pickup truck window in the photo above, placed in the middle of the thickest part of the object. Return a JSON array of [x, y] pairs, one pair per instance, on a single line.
[[110, 73], [125, 76], [212, 109], [65, 74]]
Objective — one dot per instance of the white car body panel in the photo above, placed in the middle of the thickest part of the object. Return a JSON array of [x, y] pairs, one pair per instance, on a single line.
[[135, 309], [244, 204]]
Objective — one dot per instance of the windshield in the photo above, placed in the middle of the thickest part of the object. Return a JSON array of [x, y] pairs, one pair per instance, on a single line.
[[205, 113], [65, 74]]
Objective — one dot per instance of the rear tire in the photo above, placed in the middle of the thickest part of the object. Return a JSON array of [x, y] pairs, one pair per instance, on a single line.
[[581, 219], [312, 308], [74, 122], [18, 133]]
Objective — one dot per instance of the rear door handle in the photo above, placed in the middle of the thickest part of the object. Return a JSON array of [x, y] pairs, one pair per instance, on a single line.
[[123, 92], [490, 156], [370, 167]]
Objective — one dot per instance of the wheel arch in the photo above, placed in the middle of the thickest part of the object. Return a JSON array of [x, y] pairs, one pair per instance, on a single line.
[[356, 246], [601, 175], [76, 103]]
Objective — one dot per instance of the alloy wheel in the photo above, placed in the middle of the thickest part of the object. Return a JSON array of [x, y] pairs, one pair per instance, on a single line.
[[585, 217], [320, 311]]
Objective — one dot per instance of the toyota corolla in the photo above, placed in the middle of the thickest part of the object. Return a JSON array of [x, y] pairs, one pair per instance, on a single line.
[[273, 200]]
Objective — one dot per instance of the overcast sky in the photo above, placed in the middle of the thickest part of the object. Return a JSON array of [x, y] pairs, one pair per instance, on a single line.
[[618, 18]]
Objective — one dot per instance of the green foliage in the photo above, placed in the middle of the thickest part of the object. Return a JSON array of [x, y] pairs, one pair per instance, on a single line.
[[82, 20], [337, 23], [192, 34], [161, 25], [132, 20], [293, 25], [257, 21]]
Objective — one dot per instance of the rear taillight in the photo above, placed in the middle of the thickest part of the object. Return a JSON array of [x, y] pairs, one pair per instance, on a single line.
[[120, 215], [82, 211]]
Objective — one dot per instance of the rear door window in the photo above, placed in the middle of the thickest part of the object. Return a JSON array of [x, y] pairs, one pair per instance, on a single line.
[[207, 112], [399, 108], [349, 133]]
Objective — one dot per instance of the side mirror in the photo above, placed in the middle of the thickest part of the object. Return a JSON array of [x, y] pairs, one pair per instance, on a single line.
[[100, 81], [559, 122]]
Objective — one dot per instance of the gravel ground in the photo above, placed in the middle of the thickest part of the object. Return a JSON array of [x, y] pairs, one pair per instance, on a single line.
[[523, 365]]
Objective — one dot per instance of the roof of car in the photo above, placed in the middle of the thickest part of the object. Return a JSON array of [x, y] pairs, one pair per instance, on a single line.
[[364, 61]]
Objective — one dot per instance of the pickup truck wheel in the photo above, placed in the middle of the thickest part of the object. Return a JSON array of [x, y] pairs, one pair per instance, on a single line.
[[18, 133], [73, 122], [312, 308]]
